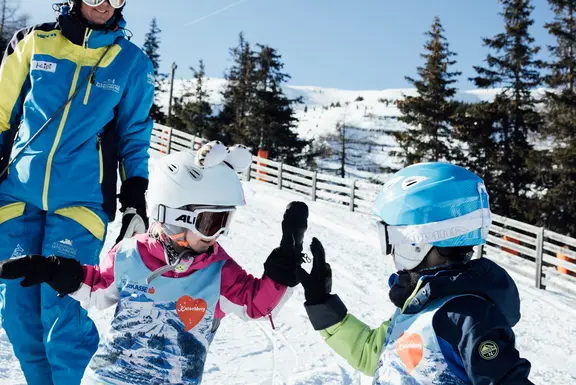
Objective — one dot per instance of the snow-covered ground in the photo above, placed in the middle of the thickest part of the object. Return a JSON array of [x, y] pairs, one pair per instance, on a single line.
[[293, 354]]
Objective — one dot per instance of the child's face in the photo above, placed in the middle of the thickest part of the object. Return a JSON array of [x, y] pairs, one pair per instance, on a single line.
[[198, 244]]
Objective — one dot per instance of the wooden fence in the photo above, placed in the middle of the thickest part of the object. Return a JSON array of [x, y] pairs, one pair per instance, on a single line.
[[552, 255]]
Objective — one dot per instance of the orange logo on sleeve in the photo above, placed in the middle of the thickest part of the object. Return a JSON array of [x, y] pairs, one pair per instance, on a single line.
[[410, 349]]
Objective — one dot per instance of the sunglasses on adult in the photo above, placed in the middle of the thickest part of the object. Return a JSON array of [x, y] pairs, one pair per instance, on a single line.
[[113, 3]]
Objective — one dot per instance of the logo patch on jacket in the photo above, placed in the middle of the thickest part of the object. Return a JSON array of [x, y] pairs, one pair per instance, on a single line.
[[43, 66], [190, 310], [137, 287], [64, 247], [109, 85], [46, 35], [410, 348], [488, 350]]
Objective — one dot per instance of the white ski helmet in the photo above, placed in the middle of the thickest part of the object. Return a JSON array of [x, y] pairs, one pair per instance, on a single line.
[[198, 191]]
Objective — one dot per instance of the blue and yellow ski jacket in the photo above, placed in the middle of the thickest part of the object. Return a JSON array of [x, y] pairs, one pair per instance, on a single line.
[[74, 160]]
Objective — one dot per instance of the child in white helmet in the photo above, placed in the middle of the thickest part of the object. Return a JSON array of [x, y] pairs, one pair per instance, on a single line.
[[173, 285]]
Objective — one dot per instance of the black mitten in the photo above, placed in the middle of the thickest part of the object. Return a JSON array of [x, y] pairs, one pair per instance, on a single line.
[[324, 309], [318, 283], [283, 263], [64, 275], [133, 206]]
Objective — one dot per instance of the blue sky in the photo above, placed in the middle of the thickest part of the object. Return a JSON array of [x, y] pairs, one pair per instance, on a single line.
[[349, 44]]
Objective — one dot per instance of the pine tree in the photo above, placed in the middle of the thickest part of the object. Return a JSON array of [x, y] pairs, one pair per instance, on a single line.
[[177, 118], [239, 94], [514, 67], [474, 127], [192, 111], [558, 164], [11, 20], [3, 45], [256, 112], [151, 47], [429, 112], [200, 108], [273, 117]]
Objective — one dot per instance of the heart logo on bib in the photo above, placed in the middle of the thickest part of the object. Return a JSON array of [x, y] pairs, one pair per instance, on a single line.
[[191, 311], [410, 349]]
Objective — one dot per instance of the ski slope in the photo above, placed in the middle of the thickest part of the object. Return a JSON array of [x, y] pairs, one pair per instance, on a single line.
[[294, 354]]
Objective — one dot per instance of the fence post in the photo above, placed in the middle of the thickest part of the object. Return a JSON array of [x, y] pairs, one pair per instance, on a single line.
[[539, 256], [169, 144], [193, 143], [280, 176], [352, 194], [314, 176]]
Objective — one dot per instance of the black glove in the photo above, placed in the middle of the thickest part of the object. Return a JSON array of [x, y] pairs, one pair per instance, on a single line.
[[324, 309], [133, 206], [64, 275], [318, 284], [283, 263]]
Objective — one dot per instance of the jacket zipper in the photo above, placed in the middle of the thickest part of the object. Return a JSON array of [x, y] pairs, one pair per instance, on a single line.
[[271, 320], [61, 126], [101, 161], [89, 86]]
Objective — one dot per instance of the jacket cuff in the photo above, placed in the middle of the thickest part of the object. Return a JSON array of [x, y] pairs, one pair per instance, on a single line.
[[327, 313]]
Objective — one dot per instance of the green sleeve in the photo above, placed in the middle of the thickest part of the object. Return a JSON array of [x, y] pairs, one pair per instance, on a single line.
[[357, 343]]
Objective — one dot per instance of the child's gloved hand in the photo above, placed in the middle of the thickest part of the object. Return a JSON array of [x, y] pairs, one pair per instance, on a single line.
[[318, 283], [324, 309], [64, 275], [283, 263]]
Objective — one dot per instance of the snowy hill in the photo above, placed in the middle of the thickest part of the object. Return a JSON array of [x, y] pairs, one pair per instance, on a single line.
[[369, 117], [294, 354]]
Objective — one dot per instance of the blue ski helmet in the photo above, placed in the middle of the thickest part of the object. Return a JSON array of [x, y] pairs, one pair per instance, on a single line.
[[431, 204]]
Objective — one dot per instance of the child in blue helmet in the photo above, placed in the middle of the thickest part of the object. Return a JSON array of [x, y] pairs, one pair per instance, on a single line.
[[454, 317]]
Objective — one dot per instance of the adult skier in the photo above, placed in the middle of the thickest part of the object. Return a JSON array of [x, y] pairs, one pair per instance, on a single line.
[[454, 317], [75, 96], [173, 285]]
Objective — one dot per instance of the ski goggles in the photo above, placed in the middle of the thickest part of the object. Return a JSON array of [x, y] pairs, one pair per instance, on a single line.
[[205, 222], [408, 245], [114, 3], [406, 256]]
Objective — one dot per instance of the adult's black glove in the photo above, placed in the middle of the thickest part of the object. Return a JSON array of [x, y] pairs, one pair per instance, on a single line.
[[133, 207], [64, 275], [283, 263], [324, 309]]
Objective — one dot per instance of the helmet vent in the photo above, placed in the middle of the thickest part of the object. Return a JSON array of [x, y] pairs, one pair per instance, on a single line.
[[412, 181], [392, 182], [195, 173], [173, 168]]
